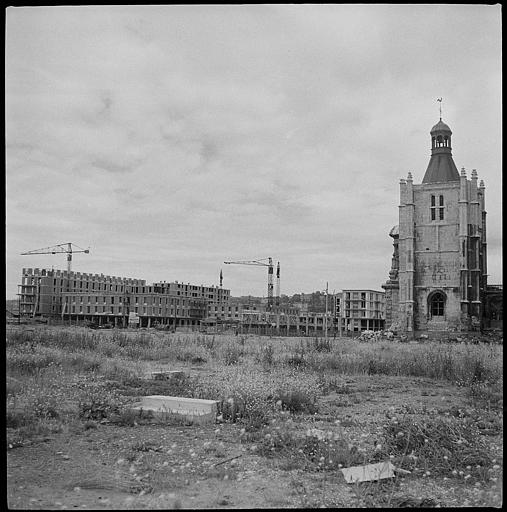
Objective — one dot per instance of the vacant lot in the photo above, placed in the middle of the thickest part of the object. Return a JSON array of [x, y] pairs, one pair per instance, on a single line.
[[306, 407]]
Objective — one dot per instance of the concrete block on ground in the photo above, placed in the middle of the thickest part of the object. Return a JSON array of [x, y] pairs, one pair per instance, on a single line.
[[166, 408], [368, 472]]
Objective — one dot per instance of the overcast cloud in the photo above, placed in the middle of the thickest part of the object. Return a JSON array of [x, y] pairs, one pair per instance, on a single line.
[[169, 139]]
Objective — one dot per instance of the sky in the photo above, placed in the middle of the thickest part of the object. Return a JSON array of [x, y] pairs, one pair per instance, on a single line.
[[169, 139]]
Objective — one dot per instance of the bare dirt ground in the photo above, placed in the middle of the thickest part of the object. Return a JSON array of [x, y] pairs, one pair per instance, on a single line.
[[107, 466]]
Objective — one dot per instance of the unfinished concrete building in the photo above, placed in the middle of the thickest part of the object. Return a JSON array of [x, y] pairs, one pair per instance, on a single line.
[[100, 299], [361, 310]]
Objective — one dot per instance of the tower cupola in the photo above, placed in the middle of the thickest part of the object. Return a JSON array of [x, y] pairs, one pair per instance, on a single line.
[[441, 166], [440, 138]]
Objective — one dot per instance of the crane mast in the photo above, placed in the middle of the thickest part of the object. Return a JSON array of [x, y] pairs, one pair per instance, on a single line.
[[262, 263], [278, 284]]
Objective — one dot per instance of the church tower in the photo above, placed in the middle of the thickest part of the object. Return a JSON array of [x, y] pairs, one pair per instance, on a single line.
[[438, 273]]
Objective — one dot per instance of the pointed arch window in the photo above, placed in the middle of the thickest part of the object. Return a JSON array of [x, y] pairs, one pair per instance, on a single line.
[[433, 208]]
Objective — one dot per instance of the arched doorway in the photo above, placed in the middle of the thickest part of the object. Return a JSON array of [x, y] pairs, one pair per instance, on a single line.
[[436, 309]]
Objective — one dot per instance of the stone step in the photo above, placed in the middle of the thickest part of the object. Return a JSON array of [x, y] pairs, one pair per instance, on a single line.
[[193, 410]]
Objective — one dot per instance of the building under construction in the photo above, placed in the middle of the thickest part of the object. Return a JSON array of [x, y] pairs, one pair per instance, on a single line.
[[348, 312], [102, 300], [118, 301]]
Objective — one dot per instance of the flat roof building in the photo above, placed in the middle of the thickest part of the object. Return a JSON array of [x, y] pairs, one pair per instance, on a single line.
[[101, 299]]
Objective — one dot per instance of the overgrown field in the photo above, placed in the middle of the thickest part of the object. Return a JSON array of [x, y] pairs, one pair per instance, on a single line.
[[303, 409]]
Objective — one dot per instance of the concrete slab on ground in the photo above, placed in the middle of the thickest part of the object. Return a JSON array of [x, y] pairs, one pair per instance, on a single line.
[[166, 408], [368, 472]]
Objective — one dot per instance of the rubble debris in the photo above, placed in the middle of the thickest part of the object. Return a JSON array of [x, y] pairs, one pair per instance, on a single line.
[[368, 472], [167, 375], [227, 460], [323, 435]]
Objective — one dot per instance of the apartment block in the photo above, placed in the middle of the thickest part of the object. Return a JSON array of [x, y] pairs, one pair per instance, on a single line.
[[209, 293], [101, 299], [360, 310]]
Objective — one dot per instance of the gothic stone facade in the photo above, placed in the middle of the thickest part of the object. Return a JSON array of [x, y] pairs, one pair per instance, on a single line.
[[438, 273]]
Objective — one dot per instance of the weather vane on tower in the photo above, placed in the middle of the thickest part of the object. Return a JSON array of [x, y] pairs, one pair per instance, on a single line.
[[440, 101]]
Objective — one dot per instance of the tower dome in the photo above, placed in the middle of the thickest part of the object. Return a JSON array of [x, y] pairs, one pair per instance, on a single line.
[[441, 166], [440, 127]]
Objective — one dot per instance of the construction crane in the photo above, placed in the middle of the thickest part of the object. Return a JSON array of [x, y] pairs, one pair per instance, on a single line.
[[60, 248], [263, 263], [278, 284]]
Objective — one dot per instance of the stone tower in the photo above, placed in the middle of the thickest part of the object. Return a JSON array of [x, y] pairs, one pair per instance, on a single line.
[[438, 273]]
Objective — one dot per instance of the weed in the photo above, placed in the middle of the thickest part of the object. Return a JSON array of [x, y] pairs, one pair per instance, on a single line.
[[19, 418], [322, 344], [297, 401], [444, 446], [125, 418], [13, 387], [99, 403], [135, 386], [486, 394], [296, 360], [232, 409], [312, 452], [146, 446], [266, 357], [232, 354]]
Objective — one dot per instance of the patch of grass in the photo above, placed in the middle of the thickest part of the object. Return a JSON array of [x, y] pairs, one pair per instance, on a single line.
[[124, 418], [232, 354], [222, 473], [98, 402], [312, 452], [34, 429], [296, 401], [449, 446], [98, 374], [135, 386], [321, 344], [296, 360], [207, 342], [486, 394], [146, 446], [24, 363], [378, 367], [19, 418], [13, 386], [83, 362], [266, 356]]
